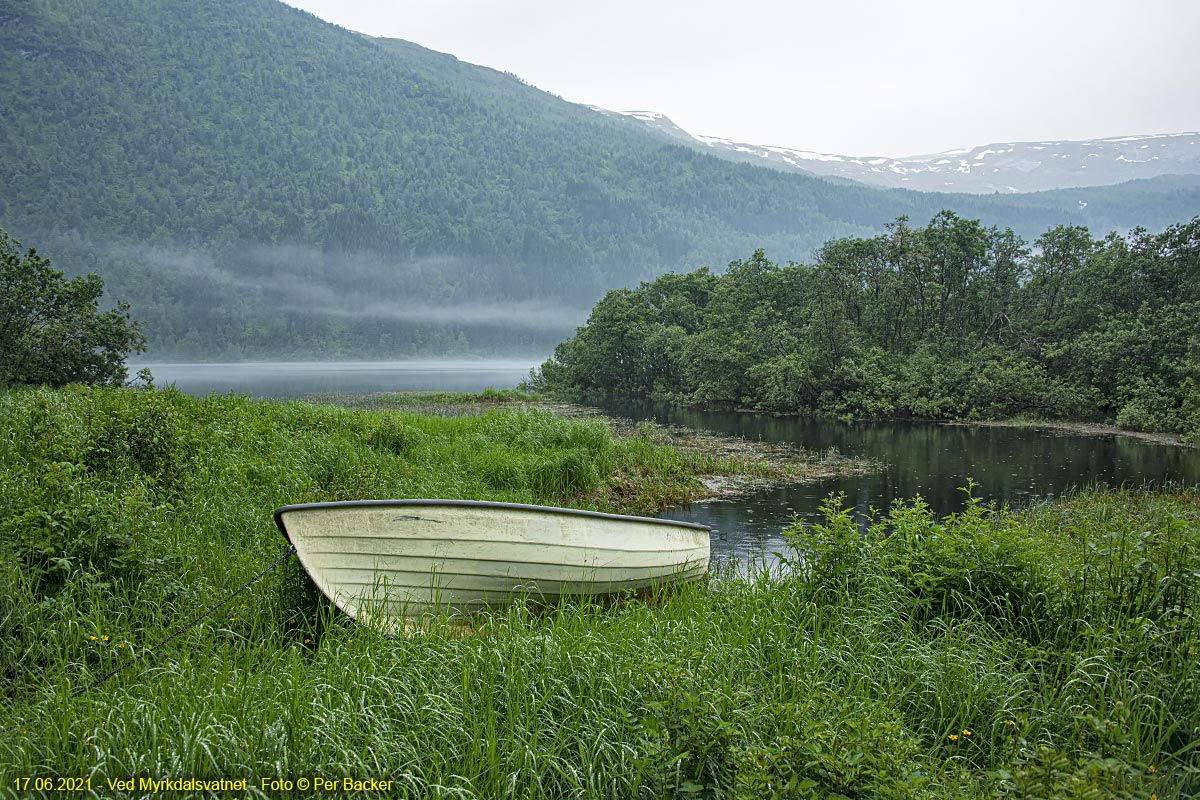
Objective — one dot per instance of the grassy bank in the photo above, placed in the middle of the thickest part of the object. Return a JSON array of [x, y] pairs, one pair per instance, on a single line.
[[668, 464], [1046, 653]]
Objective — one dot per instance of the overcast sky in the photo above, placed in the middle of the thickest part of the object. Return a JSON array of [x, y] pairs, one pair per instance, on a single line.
[[857, 77]]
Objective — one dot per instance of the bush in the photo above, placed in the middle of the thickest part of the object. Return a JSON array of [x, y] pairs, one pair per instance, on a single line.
[[140, 434], [65, 524]]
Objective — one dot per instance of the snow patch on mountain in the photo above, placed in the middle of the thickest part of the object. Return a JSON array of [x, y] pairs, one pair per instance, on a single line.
[[1007, 167]]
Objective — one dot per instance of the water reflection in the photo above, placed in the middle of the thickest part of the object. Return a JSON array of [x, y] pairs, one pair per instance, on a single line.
[[1010, 466]]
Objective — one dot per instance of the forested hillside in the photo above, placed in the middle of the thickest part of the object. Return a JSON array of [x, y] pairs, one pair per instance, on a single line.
[[255, 181], [953, 320]]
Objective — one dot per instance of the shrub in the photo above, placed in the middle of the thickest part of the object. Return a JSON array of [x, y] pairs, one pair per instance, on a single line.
[[140, 433], [64, 524]]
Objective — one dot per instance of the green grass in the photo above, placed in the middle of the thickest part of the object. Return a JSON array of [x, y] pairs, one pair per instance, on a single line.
[[1064, 638]]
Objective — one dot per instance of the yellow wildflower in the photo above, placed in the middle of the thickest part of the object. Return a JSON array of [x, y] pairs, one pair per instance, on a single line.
[[966, 731], [954, 737]]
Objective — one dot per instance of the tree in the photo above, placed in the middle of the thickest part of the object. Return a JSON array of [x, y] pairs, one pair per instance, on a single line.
[[51, 329]]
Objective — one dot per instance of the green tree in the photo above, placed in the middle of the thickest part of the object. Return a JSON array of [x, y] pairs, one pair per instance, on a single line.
[[952, 320], [52, 330]]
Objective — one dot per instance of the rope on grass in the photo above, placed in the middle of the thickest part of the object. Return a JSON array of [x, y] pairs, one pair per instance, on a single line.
[[194, 622]]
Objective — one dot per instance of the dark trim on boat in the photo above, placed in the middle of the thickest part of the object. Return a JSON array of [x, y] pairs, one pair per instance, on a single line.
[[279, 512]]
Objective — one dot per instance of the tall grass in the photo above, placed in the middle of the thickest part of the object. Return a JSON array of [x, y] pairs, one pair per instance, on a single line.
[[1045, 653], [1064, 637]]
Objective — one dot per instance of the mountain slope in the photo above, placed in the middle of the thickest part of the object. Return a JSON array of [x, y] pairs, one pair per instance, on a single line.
[[1005, 167], [255, 181]]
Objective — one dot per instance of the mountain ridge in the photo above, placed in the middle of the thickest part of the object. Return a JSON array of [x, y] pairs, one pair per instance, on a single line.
[[1012, 167]]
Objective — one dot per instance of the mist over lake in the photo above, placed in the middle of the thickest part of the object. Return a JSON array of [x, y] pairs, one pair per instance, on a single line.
[[287, 379]]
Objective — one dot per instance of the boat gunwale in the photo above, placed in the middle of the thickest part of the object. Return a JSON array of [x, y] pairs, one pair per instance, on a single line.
[[579, 512]]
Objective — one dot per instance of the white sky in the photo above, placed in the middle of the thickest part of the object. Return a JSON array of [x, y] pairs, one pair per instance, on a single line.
[[856, 77]]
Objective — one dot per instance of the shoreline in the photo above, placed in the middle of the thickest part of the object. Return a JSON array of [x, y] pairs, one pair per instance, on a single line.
[[1093, 429], [724, 466], [1065, 427]]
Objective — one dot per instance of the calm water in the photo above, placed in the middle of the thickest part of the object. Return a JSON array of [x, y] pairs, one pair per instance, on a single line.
[[286, 379], [1010, 465]]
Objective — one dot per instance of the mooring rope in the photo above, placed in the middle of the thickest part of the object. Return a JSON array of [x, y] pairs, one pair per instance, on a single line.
[[193, 623]]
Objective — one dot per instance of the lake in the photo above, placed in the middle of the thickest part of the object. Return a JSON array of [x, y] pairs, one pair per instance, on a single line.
[[1010, 465], [290, 379]]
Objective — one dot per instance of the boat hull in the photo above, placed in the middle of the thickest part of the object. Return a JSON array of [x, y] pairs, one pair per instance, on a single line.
[[404, 558]]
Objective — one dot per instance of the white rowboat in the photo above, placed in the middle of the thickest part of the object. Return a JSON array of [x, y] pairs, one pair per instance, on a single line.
[[389, 559]]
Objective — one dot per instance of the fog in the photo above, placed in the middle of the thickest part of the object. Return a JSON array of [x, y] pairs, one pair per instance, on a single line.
[[306, 280], [522, 315], [298, 301]]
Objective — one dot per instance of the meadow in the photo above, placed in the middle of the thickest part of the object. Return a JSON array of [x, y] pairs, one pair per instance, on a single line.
[[1045, 652]]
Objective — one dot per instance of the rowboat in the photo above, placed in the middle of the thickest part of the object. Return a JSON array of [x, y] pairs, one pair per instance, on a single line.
[[389, 560]]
